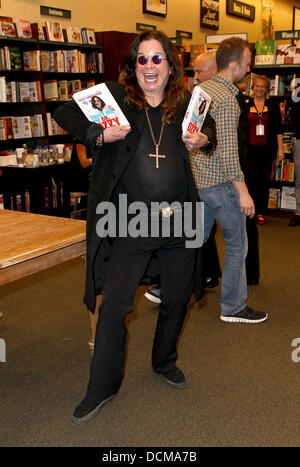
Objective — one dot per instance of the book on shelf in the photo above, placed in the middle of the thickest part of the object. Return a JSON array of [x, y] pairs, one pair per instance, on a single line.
[[21, 127], [24, 91], [91, 62], [32, 60], [15, 58], [288, 199], [37, 126], [47, 61], [35, 91], [289, 139], [274, 198], [73, 65], [277, 86], [62, 87], [265, 52], [51, 90], [1, 201], [100, 63], [7, 27], [41, 34], [23, 28], [288, 54], [59, 61], [99, 106], [88, 36], [3, 89], [196, 111], [11, 94], [6, 128], [87, 83], [73, 34], [54, 31], [74, 85]]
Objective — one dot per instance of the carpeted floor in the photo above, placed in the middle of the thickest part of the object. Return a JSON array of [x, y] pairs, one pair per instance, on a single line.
[[243, 386]]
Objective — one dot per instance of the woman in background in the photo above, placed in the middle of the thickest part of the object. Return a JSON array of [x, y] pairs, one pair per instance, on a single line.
[[265, 142]]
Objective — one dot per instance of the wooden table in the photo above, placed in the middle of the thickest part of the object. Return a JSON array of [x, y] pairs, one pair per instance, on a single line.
[[30, 243]]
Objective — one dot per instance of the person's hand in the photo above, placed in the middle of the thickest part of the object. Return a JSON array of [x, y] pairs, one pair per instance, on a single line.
[[113, 133], [194, 141], [280, 156], [247, 204]]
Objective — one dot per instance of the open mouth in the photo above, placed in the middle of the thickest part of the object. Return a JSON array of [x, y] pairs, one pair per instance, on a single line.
[[150, 77]]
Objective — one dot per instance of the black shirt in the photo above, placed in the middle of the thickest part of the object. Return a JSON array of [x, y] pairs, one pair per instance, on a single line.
[[141, 180]]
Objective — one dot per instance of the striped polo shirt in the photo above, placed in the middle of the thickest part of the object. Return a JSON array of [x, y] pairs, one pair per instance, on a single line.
[[222, 164]]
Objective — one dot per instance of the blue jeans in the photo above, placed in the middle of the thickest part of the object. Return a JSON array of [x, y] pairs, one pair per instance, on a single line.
[[221, 203]]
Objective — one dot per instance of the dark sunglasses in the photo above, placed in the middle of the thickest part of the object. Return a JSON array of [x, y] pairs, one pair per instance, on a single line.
[[156, 59]]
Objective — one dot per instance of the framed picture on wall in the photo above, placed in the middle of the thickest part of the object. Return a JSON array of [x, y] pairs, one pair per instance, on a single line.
[[209, 14], [155, 7], [296, 18]]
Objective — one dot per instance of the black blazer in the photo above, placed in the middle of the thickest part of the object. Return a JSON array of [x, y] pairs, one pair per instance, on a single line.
[[108, 165]]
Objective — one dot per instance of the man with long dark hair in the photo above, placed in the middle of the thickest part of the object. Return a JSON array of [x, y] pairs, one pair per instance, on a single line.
[[148, 162]]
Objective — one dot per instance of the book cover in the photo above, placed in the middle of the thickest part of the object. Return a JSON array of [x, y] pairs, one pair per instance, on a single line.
[[2, 89], [265, 52], [288, 199], [274, 196], [63, 90], [196, 111], [15, 58], [23, 28], [72, 61], [99, 106], [54, 31], [24, 91], [7, 27], [21, 127], [41, 33], [47, 63], [73, 34], [286, 54], [51, 90], [32, 60], [88, 36]]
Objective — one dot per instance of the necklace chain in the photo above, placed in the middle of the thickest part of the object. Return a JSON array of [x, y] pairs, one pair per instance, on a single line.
[[156, 144]]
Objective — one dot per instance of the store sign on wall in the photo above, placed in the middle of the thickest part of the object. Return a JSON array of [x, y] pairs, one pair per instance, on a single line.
[[53, 11], [240, 9]]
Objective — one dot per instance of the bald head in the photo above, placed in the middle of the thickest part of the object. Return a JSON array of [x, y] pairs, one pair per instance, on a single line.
[[205, 66]]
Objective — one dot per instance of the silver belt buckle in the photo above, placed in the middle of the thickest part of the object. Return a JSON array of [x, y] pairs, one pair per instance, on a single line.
[[167, 211]]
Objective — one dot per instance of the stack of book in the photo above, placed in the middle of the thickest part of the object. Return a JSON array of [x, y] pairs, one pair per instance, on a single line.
[[21, 127], [20, 91]]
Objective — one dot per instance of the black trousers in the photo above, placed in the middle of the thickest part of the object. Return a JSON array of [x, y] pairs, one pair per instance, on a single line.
[[260, 161], [211, 264], [127, 264]]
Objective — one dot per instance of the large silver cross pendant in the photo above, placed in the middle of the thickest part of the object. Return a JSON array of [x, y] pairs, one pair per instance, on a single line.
[[157, 156]]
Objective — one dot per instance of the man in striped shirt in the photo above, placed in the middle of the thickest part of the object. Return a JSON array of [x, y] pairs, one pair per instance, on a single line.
[[220, 180]]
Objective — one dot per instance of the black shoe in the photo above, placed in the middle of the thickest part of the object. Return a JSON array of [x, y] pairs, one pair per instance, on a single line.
[[175, 378], [246, 315], [295, 220], [211, 282], [252, 282], [87, 409]]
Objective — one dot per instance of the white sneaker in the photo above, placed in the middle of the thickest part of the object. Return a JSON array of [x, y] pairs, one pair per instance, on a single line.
[[153, 295]]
